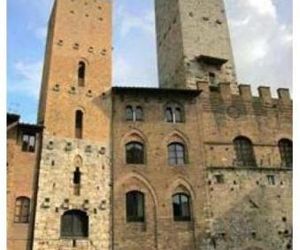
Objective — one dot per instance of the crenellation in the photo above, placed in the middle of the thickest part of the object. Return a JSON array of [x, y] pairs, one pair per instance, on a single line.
[[265, 94]]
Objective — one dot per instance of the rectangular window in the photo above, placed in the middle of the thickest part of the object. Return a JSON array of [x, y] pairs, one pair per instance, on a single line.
[[28, 143], [271, 180], [219, 178]]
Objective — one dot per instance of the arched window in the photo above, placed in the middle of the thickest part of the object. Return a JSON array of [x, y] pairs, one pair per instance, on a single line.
[[174, 114], [135, 207], [178, 115], [129, 113], [181, 207], [176, 154], [134, 113], [134, 153], [78, 124], [81, 73], [286, 152], [244, 152], [74, 223], [22, 210], [139, 115], [169, 114]]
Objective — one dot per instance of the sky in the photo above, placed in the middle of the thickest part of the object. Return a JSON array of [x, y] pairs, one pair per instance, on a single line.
[[261, 33]]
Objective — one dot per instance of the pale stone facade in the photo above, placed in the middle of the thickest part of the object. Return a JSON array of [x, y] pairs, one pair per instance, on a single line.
[[192, 41]]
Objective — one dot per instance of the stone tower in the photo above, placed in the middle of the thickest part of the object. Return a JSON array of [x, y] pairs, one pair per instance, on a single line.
[[75, 109], [193, 43]]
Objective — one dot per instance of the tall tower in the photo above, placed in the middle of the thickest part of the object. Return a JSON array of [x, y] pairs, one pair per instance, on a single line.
[[73, 197], [193, 43]]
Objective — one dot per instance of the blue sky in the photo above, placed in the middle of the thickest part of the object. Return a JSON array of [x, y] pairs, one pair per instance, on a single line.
[[261, 32]]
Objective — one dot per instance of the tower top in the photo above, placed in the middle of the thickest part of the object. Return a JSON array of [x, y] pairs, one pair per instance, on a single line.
[[193, 43]]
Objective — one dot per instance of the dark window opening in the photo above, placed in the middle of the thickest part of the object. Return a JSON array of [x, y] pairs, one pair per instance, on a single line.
[[212, 78], [76, 181], [22, 210], [134, 153], [74, 223], [78, 124], [219, 178], [181, 207], [244, 152], [177, 154], [81, 74], [286, 152], [135, 207], [271, 180], [28, 143]]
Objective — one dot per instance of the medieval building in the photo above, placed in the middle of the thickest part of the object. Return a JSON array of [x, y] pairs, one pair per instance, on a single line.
[[198, 163]]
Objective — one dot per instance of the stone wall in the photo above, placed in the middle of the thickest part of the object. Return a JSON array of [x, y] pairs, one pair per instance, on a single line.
[[60, 157], [187, 30]]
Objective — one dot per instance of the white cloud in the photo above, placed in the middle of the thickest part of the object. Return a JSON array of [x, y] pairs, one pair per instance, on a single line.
[[28, 78], [262, 44]]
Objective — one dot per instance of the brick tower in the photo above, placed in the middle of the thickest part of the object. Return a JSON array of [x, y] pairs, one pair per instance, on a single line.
[[193, 43], [73, 196]]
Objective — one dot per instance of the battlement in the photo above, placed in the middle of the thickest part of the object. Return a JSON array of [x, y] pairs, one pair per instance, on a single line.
[[223, 90]]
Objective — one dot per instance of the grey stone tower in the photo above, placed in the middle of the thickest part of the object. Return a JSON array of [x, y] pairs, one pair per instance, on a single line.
[[193, 43]]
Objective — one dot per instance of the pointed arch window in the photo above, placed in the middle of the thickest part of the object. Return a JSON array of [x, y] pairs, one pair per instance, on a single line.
[[135, 207], [74, 223], [286, 152], [181, 207], [22, 210], [176, 154], [81, 73], [78, 124], [244, 152], [135, 153]]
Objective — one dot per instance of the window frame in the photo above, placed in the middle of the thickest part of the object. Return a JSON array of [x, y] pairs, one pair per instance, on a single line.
[[79, 120], [181, 217], [244, 152], [177, 157], [286, 152], [77, 217], [132, 115], [26, 144], [130, 157], [139, 199], [174, 113], [81, 73], [22, 210]]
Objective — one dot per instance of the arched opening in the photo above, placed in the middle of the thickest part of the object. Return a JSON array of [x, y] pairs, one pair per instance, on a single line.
[[135, 207], [81, 73], [181, 207], [75, 224], [286, 152], [22, 210], [78, 124], [174, 113], [135, 153], [244, 152]]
